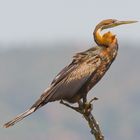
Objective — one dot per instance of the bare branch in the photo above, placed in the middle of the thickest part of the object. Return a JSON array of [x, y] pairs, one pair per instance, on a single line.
[[86, 110]]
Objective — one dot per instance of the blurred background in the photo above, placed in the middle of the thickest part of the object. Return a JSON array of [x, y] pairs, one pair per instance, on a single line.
[[39, 38]]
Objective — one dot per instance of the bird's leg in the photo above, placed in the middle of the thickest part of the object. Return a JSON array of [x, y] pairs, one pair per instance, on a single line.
[[84, 99], [72, 107], [86, 105]]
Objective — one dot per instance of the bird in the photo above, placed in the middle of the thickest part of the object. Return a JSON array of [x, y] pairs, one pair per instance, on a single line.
[[87, 68]]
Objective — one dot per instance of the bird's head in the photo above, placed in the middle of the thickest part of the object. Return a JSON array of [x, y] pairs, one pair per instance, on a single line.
[[107, 38]]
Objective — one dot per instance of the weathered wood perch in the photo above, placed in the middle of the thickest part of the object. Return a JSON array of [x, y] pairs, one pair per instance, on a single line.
[[86, 110]]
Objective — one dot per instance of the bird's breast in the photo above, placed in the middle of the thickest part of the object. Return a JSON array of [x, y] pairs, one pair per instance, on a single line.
[[106, 60], [109, 54]]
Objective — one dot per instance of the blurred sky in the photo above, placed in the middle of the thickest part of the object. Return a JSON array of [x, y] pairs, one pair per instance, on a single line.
[[60, 20]]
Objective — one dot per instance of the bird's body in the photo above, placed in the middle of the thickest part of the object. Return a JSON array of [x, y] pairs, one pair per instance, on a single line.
[[83, 73], [74, 82]]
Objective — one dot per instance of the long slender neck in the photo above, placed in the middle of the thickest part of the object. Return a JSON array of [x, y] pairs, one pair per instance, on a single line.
[[104, 40], [98, 36]]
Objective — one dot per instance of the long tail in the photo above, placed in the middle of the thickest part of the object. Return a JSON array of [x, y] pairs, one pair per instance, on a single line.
[[19, 117], [39, 103], [44, 98]]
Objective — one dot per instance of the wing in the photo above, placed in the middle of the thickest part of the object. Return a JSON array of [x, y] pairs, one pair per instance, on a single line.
[[64, 72], [70, 80], [78, 59]]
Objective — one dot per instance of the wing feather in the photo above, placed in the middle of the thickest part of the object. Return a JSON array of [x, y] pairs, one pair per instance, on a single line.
[[71, 79]]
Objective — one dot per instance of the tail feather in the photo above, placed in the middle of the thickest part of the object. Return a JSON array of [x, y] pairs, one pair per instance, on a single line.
[[19, 117], [44, 98]]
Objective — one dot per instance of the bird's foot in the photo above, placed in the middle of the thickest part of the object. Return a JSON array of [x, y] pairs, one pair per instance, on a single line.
[[88, 106]]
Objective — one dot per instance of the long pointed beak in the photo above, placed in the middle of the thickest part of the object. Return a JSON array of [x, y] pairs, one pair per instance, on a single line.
[[117, 23]]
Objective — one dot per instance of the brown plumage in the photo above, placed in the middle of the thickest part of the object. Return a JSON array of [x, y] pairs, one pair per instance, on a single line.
[[86, 69]]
